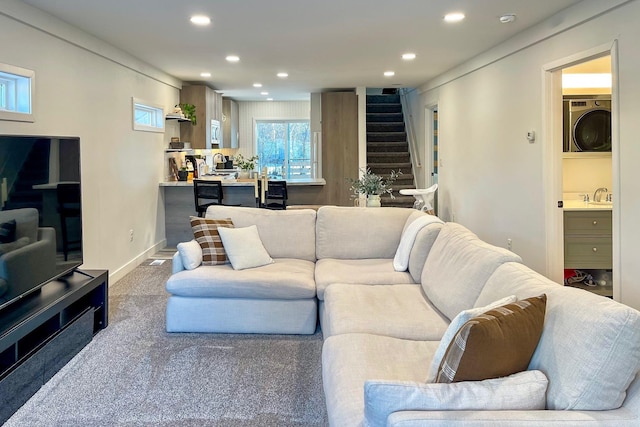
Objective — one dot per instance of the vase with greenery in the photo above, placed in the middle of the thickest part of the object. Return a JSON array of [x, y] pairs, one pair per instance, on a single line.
[[373, 186], [247, 165], [189, 111]]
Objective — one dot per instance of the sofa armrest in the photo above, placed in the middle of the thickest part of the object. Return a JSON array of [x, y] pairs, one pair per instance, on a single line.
[[30, 265], [621, 417]]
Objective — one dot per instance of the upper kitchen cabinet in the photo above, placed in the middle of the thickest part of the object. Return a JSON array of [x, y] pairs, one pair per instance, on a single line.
[[229, 123], [208, 105]]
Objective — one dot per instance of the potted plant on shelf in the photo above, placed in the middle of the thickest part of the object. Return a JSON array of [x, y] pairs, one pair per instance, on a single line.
[[189, 112], [373, 186], [183, 174], [246, 165]]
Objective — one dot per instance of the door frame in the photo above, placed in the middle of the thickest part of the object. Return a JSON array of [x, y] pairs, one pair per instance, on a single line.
[[429, 109], [552, 160]]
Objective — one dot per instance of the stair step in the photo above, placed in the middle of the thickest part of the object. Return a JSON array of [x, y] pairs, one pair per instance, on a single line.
[[387, 147], [383, 99], [399, 201], [382, 157], [386, 136], [385, 117], [385, 126], [384, 108]]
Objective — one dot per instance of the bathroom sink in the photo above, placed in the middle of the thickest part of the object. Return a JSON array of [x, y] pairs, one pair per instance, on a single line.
[[601, 203]]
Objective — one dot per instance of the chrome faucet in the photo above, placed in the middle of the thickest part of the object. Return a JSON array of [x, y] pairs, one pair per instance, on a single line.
[[597, 195]]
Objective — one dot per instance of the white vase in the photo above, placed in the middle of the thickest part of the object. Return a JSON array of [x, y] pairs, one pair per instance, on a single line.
[[243, 174], [373, 201]]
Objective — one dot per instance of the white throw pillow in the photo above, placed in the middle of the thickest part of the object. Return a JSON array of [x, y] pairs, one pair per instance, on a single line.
[[191, 254], [411, 229], [524, 391], [244, 247], [455, 325]]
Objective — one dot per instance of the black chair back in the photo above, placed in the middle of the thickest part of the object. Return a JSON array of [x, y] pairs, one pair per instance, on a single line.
[[206, 190], [276, 195]]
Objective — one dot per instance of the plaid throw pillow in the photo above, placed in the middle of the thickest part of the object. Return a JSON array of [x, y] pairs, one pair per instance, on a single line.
[[205, 232], [495, 344], [8, 231]]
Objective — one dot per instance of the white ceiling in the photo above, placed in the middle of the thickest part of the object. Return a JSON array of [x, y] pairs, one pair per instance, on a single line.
[[322, 44]]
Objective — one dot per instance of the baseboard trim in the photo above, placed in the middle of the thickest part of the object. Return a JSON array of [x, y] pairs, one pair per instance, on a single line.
[[128, 267]]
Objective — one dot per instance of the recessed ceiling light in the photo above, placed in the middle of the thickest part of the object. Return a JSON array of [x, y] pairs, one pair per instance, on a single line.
[[269, 99], [205, 74], [389, 73], [508, 18], [200, 20], [232, 58], [409, 56], [454, 17], [264, 93], [283, 75], [257, 85]]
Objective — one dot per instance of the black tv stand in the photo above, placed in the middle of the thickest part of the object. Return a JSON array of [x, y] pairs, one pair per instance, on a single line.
[[41, 332]]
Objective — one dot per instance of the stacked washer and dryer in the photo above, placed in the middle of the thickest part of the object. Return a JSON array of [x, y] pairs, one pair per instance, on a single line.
[[587, 125]]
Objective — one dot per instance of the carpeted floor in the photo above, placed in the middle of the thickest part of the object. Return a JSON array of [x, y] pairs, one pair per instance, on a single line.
[[134, 373]]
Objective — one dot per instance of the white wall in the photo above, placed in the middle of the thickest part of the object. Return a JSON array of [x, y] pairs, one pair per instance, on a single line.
[[491, 179], [80, 93], [250, 111]]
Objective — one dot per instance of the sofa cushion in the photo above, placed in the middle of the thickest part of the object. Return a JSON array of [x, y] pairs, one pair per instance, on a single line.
[[421, 248], [190, 254], [453, 328], [359, 233], [8, 231], [244, 247], [357, 271], [284, 233], [286, 278], [457, 268], [522, 391], [351, 359], [495, 344], [205, 232], [399, 311], [590, 345], [413, 225], [26, 222]]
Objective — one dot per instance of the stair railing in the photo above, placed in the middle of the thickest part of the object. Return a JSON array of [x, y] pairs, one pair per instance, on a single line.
[[411, 135]]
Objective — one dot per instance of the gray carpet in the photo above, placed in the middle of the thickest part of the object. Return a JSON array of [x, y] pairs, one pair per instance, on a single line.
[[135, 374]]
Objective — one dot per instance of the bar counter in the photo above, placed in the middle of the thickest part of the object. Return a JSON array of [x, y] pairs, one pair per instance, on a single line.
[[179, 201]]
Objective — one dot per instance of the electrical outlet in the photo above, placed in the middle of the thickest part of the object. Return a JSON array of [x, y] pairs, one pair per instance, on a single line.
[[131, 235], [509, 244]]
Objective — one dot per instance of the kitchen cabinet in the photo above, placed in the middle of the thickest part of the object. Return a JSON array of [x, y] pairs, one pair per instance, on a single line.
[[587, 239], [208, 105], [230, 124], [339, 145]]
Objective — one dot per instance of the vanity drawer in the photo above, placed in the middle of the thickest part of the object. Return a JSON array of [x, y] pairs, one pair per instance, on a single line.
[[588, 252], [587, 223]]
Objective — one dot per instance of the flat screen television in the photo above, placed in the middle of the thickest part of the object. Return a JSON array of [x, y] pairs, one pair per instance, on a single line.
[[40, 213]]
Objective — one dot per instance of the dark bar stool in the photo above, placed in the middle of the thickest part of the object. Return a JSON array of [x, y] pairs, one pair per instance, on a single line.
[[204, 190], [275, 197], [70, 216]]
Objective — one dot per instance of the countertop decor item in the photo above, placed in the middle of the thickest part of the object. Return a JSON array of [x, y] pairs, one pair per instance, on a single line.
[[371, 184], [246, 165]]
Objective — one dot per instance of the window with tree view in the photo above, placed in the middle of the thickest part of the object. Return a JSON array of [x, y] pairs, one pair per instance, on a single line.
[[284, 148]]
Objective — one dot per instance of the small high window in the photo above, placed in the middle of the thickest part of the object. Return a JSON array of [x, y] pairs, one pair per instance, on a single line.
[[147, 117], [16, 93]]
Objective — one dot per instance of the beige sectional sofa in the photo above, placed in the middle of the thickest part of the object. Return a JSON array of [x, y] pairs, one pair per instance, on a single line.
[[382, 327]]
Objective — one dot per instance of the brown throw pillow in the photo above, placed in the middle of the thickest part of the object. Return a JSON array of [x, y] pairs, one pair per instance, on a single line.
[[205, 232], [495, 344]]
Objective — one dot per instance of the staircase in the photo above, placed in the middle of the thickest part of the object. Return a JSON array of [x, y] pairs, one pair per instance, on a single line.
[[387, 146]]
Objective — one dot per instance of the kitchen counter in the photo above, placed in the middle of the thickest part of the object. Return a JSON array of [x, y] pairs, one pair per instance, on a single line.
[[241, 182], [579, 205], [179, 202]]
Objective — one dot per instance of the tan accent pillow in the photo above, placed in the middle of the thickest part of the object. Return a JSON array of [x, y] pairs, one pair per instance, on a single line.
[[205, 232], [495, 344]]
